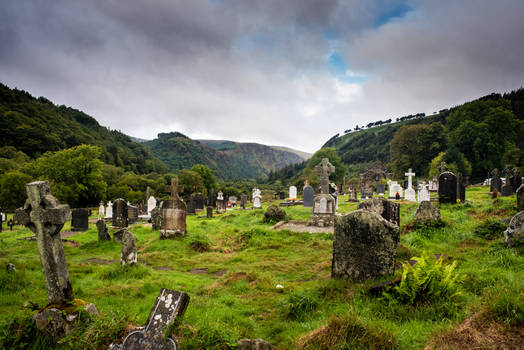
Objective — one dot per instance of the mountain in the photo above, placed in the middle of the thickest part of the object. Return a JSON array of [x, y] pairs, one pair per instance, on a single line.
[[228, 159], [36, 125]]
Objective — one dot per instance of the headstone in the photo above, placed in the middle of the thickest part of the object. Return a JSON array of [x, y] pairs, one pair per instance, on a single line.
[[387, 209], [496, 182], [45, 216], [514, 234], [173, 213], [433, 184], [101, 210], [281, 195], [447, 187], [461, 188], [199, 201], [324, 205], [156, 218], [243, 200], [221, 203], [515, 180], [352, 192], [381, 189], [257, 198], [423, 194], [209, 212], [507, 188], [151, 204], [101, 227], [309, 195], [128, 254], [366, 192], [232, 200], [109, 210], [395, 188], [120, 213], [410, 192], [293, 193], [211, 198], [132, 214], [520, 198], [426, 212], [80, 219], [169, 306], [191, 205], [364, 246]]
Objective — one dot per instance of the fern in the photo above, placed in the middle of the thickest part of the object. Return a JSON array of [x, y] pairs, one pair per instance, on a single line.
[[429, 280]]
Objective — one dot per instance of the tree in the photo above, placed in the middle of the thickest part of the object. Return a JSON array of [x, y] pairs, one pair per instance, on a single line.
[[12, 189], [207, 175], [331, 154], [190, 181]]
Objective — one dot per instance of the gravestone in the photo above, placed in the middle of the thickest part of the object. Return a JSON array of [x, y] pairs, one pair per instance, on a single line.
[[324, 205], [120, 213], [461, 188], [232, 200], [426, 212], [101, 227], [507, 188], [199, 201], [423, 194], [132, 214], [293, 193], [80, 219], [45, 216], [151, 204], [447, 187], [169, 309], [352, 192], [366, 192], [394, 188], [209, 212], [211, 198], [191, 205], [433, 184], [364, 246], [514, 234], [387, 209], [515, 180], [243, 200], [381, 189], [257, 198], [109, 210], [173, 213], [221, 204], [101, 210], [156, 218], [496, 182], [128, 254], [409, 194], [520, 198], [281, 195], [309, 195]]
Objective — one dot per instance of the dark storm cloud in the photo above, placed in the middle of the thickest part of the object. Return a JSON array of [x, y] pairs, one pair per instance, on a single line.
[[258, 70]]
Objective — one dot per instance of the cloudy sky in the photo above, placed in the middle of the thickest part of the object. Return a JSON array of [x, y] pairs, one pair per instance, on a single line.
[[280, 72]]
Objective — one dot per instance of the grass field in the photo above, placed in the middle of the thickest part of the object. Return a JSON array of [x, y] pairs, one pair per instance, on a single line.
[[230, 266]]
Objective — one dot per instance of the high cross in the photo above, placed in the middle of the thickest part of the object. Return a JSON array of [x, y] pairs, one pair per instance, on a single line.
[[409, 174], [173, 189], [323, 170]]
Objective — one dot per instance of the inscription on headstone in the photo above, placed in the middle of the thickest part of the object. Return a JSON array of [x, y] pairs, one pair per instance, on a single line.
[[173, 213], [120, 213], [80, 219]]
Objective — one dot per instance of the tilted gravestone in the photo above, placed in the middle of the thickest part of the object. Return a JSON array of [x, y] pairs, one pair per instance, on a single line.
[[496, 182], [169, 308], [387, 209], [309, 195], [151, 204], [156, 218], [364, 246], [45, 216], [101, 227], [173, 213], [80, 219], [447, 187], [514, 234], [426, 212], [128, 254], [520, 198], [120, 213]]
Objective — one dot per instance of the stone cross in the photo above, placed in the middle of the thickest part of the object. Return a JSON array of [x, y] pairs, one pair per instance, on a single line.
[[169, 306], [409, 174], [173, 189], [443, 167], [45, 216], [324, 169]]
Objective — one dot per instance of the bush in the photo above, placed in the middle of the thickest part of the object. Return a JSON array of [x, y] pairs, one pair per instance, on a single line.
[[429, 280], [490, 229], [274, 214], [300, 303]]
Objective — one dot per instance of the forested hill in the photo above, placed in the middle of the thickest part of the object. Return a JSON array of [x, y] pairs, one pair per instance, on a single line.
[[35, 126], [474, 137], [228, 159]]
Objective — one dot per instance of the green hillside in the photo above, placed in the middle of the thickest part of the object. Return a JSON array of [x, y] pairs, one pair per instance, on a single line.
[[228, 159], [35, 126]]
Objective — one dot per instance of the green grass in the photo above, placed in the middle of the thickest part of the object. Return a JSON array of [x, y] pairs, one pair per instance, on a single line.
[[241, 261]]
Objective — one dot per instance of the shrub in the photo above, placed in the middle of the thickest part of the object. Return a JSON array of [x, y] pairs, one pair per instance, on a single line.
[[429, 280], [274, 214], [490, 229]]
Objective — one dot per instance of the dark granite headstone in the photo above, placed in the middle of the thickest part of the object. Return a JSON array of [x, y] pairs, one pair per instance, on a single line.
[[101, 227], [381, 188], [120, 213], [507, 190], [199, 201], [496, 182], [281, 195], [191, 205], [243, 200], [309, 195], [80, 219], [209, 212], [447, 187], [212, 198], [461, 188], [132, 214], [169, 306]]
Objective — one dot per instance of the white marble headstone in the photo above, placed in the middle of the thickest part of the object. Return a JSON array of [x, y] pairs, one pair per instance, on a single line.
[[292, 193], [151, 204], [109, 210], [101, 210]]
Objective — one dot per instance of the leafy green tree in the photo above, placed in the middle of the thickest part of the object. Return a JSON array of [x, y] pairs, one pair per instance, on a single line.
[[207, 175], [75, 174], [190, 181], [12, 189], [326, 152]]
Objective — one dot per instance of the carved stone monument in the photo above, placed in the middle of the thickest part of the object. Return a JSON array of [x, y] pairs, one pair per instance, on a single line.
[[101, 227], [389, 210], [447, 187], [324, 203], [257, 198], [80, 219], [128, 254], [120, 213], [173, 213], [496, 182], [156, 218], [410, 192]]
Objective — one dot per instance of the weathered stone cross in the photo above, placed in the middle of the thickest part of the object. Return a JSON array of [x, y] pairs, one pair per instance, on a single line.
[[45, 216], [324, 169], [174, 189], [409, 174]]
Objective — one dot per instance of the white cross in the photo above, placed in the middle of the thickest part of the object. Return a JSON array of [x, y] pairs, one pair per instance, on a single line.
[[409, 174]]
